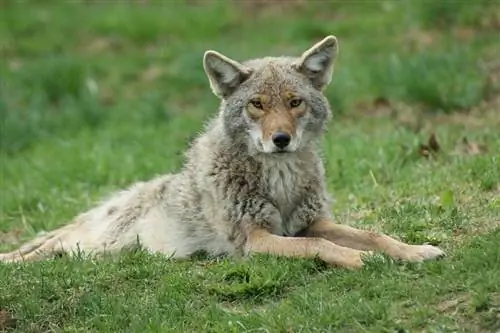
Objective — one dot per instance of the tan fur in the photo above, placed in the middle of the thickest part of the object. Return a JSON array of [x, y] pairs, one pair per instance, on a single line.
[[240, 190]]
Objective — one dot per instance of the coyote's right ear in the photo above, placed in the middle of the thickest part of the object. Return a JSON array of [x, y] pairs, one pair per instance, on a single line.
[[224, 74], [317, 62]]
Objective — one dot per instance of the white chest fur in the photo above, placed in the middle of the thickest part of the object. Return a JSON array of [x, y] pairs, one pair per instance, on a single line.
[[283, 180]]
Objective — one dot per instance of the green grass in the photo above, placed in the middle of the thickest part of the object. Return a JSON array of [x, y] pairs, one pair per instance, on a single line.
[[94, 97]]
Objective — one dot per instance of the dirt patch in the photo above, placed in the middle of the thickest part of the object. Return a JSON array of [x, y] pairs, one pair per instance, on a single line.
[[417, 40], [100, 44], [450, 305], [478, 224], [464, 34], [7, 320], [491, 21], [492, 84], [468, 309], [415, 119], [467, 147], [152, 73]]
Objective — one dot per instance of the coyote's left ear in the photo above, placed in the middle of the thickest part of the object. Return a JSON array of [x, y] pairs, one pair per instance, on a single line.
[[317, 62], [225, 74]]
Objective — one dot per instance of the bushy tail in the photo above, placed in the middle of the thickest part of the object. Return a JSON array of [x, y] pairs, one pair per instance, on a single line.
[[39, 248]]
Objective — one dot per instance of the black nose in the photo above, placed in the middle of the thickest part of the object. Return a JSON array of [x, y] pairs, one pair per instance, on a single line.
[[281, 140]]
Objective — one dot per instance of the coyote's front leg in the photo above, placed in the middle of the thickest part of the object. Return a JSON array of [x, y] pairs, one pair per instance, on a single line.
[[260, 240], [368, 240]]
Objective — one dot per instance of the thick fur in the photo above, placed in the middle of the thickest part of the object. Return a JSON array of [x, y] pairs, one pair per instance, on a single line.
[[238, 192]]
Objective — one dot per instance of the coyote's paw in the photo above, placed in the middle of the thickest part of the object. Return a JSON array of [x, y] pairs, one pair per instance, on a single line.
[[419, 253]]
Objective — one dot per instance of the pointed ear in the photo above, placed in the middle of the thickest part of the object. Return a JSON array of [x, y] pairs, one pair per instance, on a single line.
[[317, 62], [224, 74]]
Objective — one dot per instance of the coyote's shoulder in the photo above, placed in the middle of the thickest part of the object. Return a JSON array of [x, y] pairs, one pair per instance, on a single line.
[[252, 181]]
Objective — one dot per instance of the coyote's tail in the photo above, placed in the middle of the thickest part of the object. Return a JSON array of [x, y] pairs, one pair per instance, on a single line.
[[42, 246]]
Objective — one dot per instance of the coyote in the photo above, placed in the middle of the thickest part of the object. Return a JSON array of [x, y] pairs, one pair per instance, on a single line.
[[253, 182]]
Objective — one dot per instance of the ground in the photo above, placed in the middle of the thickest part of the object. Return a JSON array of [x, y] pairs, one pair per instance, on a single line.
[[95, 96]]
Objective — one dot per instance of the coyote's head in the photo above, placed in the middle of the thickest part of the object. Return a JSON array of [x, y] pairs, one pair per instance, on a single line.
[[276, 104]]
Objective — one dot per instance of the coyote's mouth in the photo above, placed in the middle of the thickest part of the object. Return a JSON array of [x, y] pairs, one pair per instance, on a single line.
[[281, 152]]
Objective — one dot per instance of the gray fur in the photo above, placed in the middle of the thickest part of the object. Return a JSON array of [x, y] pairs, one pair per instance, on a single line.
[[227, 186]]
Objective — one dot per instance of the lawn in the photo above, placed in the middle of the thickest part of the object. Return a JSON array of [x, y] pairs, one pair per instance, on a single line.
[[97, 95]]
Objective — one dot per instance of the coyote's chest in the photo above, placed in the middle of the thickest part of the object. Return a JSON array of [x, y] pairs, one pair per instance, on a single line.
[[283, 183]]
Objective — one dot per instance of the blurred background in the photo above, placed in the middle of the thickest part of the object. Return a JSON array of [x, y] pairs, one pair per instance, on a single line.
[[92, 65]]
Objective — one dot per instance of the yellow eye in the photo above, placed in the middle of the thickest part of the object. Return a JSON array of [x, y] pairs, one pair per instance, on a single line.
[[295, 102], [256, 103]]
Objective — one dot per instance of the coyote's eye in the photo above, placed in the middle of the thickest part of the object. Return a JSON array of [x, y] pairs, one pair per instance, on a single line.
[[256, 103], [295, 102]]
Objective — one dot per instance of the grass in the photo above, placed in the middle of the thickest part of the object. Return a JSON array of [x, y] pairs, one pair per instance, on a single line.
[[95, 96]]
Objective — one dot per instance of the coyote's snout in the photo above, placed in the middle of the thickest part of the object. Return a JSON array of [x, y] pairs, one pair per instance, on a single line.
[[276, 127], [234, 195]]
